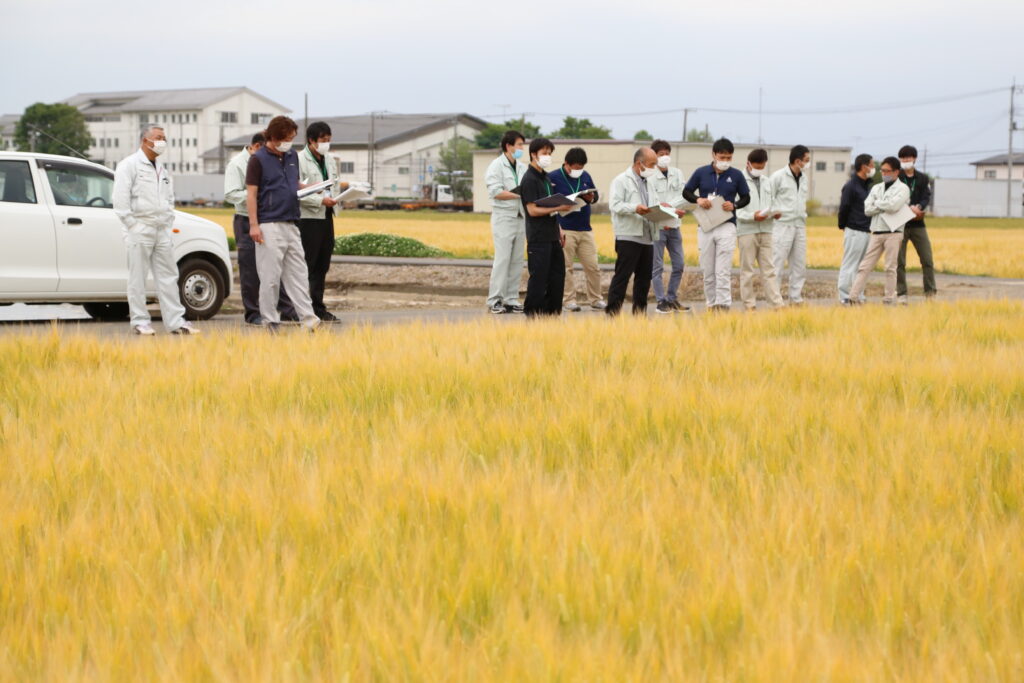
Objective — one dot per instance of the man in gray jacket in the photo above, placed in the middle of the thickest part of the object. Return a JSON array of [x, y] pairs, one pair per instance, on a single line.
[[628, 201]]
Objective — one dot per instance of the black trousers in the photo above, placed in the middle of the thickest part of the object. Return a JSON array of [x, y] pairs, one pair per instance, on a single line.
[[318, 244], [636, 260], [249, 279], [545, 262], [923, 246]]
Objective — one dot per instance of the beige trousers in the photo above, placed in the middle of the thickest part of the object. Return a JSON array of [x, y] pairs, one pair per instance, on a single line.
[[889, 243], [579, 244], [758, 247]]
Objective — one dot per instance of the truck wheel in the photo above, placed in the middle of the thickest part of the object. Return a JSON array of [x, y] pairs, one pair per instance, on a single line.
[[107, 311], [201, 287]]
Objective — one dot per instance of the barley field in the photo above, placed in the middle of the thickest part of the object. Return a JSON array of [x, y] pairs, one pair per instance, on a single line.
[[824, 494], [964, 246]]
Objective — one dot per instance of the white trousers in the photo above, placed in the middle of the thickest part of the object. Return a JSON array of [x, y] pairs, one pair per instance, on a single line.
[[507, 270], [151, 249], [281, 260], [789, 243], [855, 244], [716, 249]]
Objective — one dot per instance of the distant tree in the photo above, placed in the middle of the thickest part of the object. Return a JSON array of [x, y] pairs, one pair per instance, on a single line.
[[642, 135], [582, 129], [699, 136], [53, 124], [455, 167], [490, 137]]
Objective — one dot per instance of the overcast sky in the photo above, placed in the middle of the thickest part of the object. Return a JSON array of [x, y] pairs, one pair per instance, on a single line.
[[551, 58]]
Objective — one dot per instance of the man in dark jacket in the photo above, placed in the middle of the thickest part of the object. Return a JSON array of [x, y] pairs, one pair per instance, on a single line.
[[854, 223], [914, 231]]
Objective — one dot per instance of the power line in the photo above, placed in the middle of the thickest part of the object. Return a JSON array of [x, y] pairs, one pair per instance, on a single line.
[[852, 109]]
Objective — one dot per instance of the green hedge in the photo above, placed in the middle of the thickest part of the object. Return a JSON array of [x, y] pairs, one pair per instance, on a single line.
[[377, 244]]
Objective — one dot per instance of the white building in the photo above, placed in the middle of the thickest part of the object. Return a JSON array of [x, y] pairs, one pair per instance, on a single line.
[[994, 168], [8, 122], [193, 120], [403, 159]]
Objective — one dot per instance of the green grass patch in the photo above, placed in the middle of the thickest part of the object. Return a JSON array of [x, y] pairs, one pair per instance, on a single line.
[[376, 244]]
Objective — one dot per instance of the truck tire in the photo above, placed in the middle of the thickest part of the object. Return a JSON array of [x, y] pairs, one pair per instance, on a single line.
[[107, 311], [201, 287]]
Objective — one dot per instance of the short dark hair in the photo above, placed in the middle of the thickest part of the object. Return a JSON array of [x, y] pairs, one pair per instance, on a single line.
[[757, 156], [280, 127], [722, 145], [316, 130], [907, 151], [511, 137], [537, 144], [891, 162], [576, 155], [661, 146], [798, 152], [861, 160], [258, 139]]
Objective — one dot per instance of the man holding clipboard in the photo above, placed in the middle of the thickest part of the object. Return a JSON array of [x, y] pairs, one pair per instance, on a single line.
[[544, 238], [722, 189], [888, 206]]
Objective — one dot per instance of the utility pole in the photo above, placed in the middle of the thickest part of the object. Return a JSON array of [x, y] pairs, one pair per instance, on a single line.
[[686, 121], [370, 147], [222, 162], [305, 112], [924, 160], [1009, 156]]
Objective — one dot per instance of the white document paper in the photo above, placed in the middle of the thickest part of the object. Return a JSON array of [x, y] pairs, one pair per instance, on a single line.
[[352, 194], [709, 219], [313, 189], [897, 219], [661, 215]]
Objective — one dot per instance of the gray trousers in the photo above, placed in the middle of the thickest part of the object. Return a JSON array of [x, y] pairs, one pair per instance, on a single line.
[[249, 279], [923, 247], [855, 243], [667, 238], [509, 253], [789, 243], [280, 262]]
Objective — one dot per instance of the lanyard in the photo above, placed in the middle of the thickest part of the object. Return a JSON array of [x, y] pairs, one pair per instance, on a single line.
[[568, 181], [911, 183], [515, 173]]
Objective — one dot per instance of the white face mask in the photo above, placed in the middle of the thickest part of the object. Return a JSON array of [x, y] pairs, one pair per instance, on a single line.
[[159, 146], [756, 172], [648, 172], [575, 173], [544, 160], [323, 148], [283, 146], [664, 161], [723, 165], [907, 165]]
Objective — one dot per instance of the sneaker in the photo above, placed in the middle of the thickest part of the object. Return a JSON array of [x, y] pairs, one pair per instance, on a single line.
[[664, 307], [574, 307], [902, 300], [499, 308], [256, 320], [186, 328], [514, 308], [145, 329], [599, 305], [327, 317], [679, 307]]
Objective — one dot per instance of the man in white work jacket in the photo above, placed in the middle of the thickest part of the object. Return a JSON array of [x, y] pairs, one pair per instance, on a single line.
[[144, 202], [790, 190], [508, 224]]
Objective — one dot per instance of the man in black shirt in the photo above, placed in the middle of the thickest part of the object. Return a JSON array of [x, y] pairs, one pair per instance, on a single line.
[[914, 231], [544, 238]]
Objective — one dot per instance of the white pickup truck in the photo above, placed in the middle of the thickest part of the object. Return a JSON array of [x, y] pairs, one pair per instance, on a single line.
[[60, 241]]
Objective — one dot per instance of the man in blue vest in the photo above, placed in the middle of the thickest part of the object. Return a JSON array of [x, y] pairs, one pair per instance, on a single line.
[[272, 184]]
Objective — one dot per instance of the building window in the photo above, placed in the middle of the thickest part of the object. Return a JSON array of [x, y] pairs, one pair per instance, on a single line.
[[990, 174], [820, 165], [143, 118], [174, 118], [257, 118], [403, 170], [840, 166], [117, 142], [348, 167], [195, 142], [195, 117], [229, 117]]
